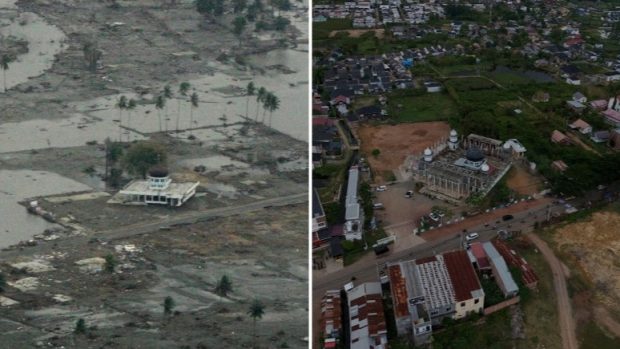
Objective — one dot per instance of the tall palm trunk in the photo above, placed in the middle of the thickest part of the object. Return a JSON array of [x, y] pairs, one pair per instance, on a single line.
[[191, 119], [4, 74], [256, 118], [159, 118], [178, 115], [120, 125], [128, 126], [166, 118], [247, 107]]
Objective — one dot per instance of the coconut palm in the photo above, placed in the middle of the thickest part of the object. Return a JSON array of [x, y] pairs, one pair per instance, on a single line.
[[122, 104], [223, 287], [273, 105], [160, 102], [260, 95], [168, 95], [267, 99], [183, 88], [250, 90], [4, 64], [194, 104], [131, 105], [256, 312]]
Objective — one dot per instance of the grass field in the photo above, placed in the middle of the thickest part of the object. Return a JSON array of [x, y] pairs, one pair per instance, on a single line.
[[592, 337], [540, 311], [426, 107]]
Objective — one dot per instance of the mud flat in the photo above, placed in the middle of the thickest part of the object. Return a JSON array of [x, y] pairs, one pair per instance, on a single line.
[[263, 254]]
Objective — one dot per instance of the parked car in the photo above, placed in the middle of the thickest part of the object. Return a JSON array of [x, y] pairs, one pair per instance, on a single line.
[[471, 236], [378, 206], [409, 194], [433, 216], [381, 188], [507, 217]]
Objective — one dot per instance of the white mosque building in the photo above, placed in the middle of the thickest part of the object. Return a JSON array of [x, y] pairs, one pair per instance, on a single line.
[[157, 189]]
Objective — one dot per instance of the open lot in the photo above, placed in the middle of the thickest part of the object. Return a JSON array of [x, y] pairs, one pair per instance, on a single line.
[[523, 182], [591, 247], [396, 142]]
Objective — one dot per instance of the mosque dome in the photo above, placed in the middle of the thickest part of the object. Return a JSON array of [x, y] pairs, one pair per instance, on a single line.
[[474, 154]]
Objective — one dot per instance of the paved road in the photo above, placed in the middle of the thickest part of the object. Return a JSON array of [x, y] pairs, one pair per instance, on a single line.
[[565, 311], [438, 241]]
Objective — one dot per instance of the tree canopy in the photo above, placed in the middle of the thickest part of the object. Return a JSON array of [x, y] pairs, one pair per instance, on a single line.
[[143, 156]]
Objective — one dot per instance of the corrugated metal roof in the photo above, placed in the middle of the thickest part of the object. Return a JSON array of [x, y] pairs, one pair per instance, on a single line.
[[500, 266]]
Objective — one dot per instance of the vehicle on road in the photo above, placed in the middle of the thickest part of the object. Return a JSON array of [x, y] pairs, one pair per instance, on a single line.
[[433, 216], [409, 194], [471, 236], [381, 188], [378, 206], [381, 249], [507, 217]]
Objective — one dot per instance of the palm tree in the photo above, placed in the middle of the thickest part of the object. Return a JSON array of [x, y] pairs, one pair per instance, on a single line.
[[131, 105], [168, 305], [256, 312], [122, 104], [160, 102], [260, 95], [223, 287], [4, 64], [168, 95], [250, 90], [194, 104], [267, 99], [274, 104], [183, 88]]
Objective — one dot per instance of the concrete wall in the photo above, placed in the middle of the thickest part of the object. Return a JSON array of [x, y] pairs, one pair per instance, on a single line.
[[502, 305], [469, 307]]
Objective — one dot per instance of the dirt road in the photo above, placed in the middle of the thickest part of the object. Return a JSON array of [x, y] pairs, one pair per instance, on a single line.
[[565, 312]]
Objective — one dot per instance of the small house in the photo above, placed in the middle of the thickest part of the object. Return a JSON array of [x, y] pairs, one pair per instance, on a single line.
[[577, 107], [579, 97], [582, 126], [559, 138], [600, 136], [599, 104], [559, 165]]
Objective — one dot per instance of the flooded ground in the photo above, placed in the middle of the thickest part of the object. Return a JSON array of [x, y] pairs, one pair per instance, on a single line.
[[247, 221], [17, 224]]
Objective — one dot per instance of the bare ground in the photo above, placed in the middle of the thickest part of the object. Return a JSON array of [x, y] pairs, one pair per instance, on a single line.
[[522, 182], [396, 142]]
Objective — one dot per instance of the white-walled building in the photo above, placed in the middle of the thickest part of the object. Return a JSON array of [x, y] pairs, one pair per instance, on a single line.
[[158, 189]]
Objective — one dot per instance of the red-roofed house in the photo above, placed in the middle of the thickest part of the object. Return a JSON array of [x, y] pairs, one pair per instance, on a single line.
[[331, 317], [582, 126], [468, 292], [366, 317], [482, 263], [559, 138], [612, 117], [599, 104]]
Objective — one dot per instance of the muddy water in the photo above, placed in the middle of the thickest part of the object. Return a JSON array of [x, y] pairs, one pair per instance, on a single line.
[[44, 42], [16, 224], [221, 96]]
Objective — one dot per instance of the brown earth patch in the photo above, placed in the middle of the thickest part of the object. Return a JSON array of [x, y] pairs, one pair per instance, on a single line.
[[396, 142], [594, 246], [522, 182]]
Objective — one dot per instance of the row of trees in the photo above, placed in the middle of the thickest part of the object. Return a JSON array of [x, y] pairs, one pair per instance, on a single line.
[[269, 101], [160, 104]]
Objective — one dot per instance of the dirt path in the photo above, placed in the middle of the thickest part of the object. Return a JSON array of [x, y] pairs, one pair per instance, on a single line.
[[606, 320], [565, 312]]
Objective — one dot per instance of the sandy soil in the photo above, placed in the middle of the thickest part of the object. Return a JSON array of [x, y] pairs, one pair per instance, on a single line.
[[595, 246], [396, 142], [356, 33], [523, 182]]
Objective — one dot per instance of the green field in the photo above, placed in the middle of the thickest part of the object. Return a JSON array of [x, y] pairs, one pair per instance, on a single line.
[[425, 107]]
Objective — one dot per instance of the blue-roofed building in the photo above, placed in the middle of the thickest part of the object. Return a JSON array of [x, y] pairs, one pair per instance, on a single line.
[[502, 275]]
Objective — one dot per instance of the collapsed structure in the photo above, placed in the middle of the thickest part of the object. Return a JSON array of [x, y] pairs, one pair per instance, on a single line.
[[455, 169]]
